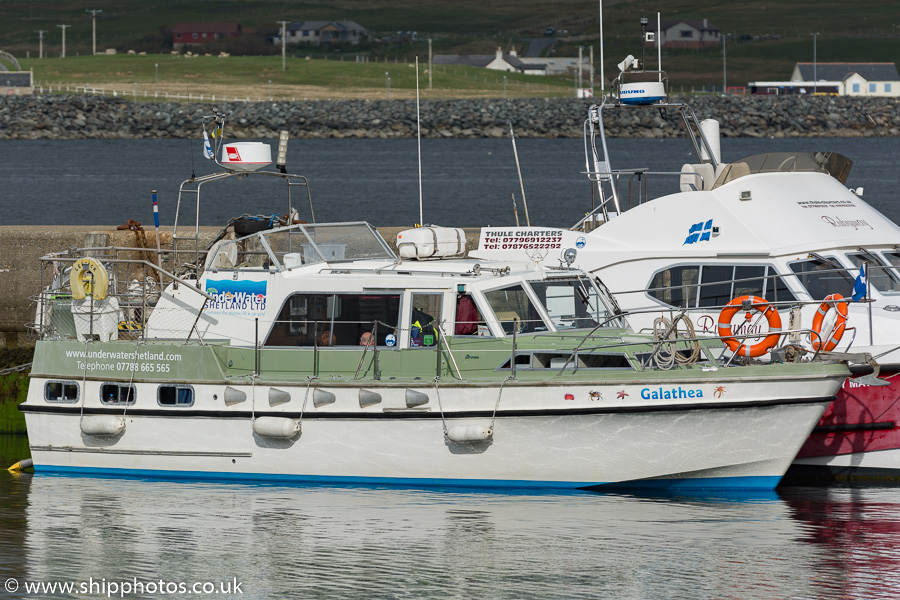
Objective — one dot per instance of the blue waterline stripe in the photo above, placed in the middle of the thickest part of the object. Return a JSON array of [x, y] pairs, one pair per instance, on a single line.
[[705, 483]]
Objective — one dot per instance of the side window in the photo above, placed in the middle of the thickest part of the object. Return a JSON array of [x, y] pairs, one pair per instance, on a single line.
[[117, 393], [61, 391], [175, 395], [426, 318], [718, 285], [748, 281], [776, 290], [821, 278], [514, 310], [336, 320], [879, 276], [715, 285], [469, 320], [676, 286]]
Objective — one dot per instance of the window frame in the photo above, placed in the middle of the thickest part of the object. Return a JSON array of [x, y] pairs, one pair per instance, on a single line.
[[296, 328], [177, 386], [63, 382], [837, 271], [130, 398], [532, 297], [770, 275], [885, 269]]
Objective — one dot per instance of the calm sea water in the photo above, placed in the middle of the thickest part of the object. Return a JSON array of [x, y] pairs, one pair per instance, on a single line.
[[351, 542], [465, 183]]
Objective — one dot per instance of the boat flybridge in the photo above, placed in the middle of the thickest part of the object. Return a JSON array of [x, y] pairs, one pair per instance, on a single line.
[[314, 352], [765, 247]]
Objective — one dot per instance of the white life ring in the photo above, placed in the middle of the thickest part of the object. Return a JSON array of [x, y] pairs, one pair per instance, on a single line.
[[88, 277]]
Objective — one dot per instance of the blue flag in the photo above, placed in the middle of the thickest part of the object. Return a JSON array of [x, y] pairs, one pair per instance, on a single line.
[[207, 149], [860, 286]]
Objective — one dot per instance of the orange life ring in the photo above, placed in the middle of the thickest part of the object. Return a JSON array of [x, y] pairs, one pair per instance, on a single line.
[[840, 323], [734, 307]]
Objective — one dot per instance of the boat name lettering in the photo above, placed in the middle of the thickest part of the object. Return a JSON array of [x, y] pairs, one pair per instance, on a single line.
[[471, 356], [675, 394], [229, 295], [706, 324], [838, 222]]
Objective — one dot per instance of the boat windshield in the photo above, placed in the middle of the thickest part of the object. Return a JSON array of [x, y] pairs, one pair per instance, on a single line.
[[573, 303], [332, 242], [836, 165], [570, 302]]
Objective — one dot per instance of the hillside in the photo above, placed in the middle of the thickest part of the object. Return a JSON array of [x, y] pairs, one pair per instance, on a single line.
[[765, 38]]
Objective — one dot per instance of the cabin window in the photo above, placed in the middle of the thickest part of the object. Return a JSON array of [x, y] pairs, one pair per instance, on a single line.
[[676, 286], [880, 276], [336, 320], [707, 286], [514, 310], [117, 393], [61, 391], [425, 321], [175, 395], [571, 303], [821, 277], [715, 285], [469, 320]]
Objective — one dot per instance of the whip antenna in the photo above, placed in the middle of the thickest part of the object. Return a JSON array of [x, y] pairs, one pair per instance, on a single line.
[[419, 142]]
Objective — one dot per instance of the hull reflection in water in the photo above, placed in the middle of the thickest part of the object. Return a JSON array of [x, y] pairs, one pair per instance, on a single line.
[[284, 542]]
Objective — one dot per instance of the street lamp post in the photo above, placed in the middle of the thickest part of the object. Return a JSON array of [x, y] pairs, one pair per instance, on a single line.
[[156, 70], [387, 84]]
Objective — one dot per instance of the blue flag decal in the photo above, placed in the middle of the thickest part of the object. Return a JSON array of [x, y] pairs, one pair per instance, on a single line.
[[860, 286]]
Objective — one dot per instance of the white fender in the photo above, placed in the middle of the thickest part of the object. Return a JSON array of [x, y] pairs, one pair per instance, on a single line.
[[276, 427]]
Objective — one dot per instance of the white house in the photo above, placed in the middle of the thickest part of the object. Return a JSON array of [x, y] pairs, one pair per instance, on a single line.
[[686, 34], [856, 79], [323, 33], [496, 62]]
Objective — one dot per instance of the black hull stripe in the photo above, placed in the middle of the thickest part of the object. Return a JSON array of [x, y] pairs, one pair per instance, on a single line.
[[880, 426], [414, 413]]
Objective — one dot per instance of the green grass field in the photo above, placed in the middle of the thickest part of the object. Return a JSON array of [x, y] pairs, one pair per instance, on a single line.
[[257, 75]]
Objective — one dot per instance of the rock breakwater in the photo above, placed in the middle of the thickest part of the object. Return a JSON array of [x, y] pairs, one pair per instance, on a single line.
[[98, 117]]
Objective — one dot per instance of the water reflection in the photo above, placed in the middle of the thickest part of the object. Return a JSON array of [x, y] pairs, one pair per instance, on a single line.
[[311, 542], [341, 541], [857, 533]]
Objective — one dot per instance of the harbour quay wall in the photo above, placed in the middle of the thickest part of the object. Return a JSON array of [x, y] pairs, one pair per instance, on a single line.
[[55, 116], [21, 279]]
